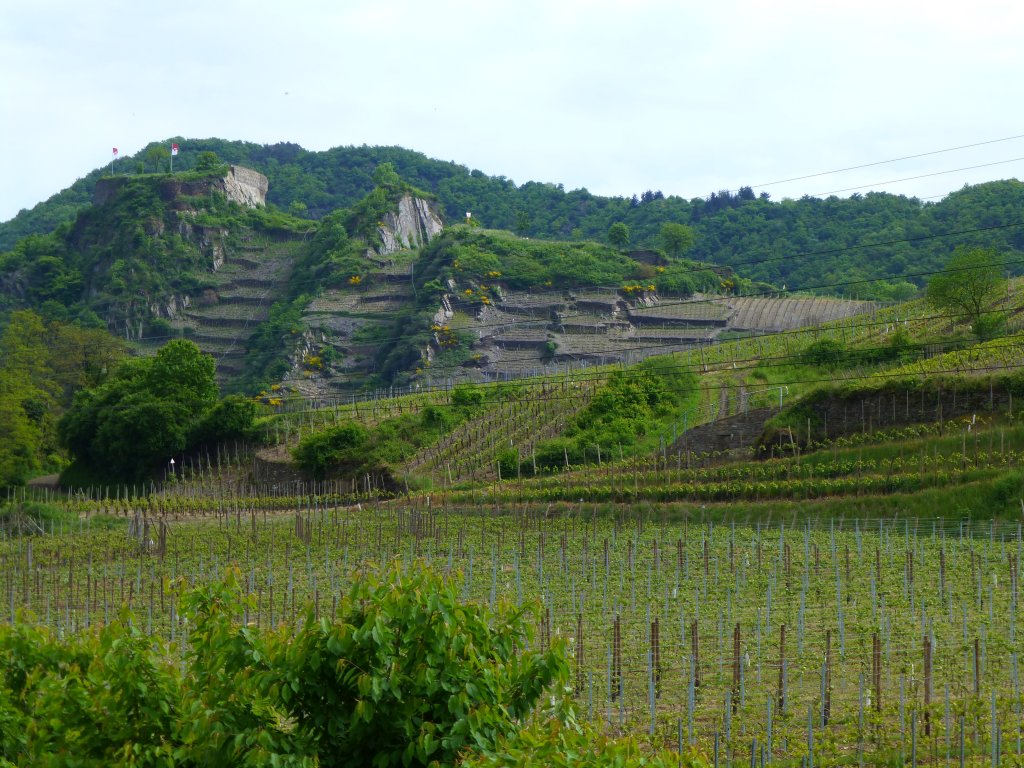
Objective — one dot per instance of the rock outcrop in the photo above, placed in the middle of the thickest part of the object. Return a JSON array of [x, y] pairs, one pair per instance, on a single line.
[[241, 185], [246, 187], [413, 223]]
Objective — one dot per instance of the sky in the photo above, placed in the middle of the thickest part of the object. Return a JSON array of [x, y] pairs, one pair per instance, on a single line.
[[616, 97]]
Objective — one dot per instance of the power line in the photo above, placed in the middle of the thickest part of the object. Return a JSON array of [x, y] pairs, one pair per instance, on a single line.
[[885, 162], [921, 176]]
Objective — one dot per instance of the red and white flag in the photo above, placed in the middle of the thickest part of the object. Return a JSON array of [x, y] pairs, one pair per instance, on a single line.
[[115, 151], [174, 150]]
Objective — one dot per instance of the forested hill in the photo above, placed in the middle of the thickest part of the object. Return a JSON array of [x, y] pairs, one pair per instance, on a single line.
[[765, 240]]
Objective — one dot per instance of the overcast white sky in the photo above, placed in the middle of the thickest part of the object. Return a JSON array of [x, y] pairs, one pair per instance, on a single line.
[[617, 97]]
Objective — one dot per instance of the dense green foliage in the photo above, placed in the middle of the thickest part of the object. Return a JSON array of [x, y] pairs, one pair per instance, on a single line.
[[151, 239], [404, 674], [830, 354], [350, 449], [971, 282], [146, 412], [626, 408], [481, 256], [676, 238], [793, 420], [877, 236], [42, 364]]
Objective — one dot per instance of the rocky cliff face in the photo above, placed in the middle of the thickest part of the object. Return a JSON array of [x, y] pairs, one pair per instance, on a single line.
[[246, 187], [413, 223]]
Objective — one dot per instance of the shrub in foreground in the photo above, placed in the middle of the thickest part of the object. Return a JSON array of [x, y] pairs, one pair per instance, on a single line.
[[403, 674]]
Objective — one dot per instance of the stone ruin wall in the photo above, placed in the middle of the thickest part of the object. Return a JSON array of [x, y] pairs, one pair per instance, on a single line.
[[246, 187], [241, 185]]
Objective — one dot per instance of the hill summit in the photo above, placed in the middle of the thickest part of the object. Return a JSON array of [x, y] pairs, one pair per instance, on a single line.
[[373, 295], [238, 185]]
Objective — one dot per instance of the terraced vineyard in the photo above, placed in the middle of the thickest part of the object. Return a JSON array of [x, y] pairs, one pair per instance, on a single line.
[[831, 591], [521, 423], [222, 320], [528, 334]]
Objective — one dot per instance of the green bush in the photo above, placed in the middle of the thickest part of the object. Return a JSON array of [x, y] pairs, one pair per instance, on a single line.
[[466, 395], [508, 462], [403, 675], [406, 675], [824, 353], [336, 448], [553, 455], [231, 418], [990, 326]]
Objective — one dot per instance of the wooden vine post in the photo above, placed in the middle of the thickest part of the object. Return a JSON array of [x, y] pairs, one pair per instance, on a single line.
[[735, 667], [876, 670], [656, 656], [927, 684], [695, 651], [782, 669], [579, 654], [616, 659], [826, 707]]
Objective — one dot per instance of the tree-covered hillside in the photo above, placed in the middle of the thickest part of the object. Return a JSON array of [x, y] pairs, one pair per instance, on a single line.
[[119, 265], [877, 236]]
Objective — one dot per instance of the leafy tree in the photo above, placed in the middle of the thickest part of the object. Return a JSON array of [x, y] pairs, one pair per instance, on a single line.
[[676, 238], [386, 176], [618, 235], [407, 675], [19, 437], [970, 282], [148, 410], [522, 223], [181, 372], [138, 434], [41, 365], [156, 155], [339, 448], [208, 161], [404, 674]]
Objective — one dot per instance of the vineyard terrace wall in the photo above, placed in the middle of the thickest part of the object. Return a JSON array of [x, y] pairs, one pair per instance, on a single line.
[[724, 435], [834, 412], [280, 473]]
